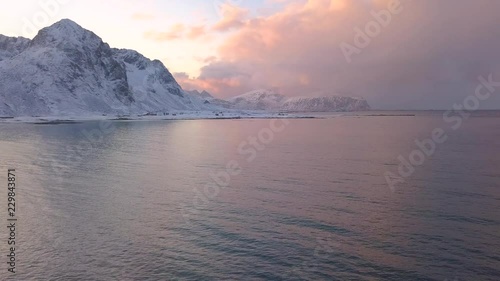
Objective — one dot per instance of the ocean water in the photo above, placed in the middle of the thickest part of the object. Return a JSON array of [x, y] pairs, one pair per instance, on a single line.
[[306, 199]]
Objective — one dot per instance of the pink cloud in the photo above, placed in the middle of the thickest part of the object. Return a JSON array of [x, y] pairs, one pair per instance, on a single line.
[[433, 50], [142, 16], [232, 17], [177, 32]]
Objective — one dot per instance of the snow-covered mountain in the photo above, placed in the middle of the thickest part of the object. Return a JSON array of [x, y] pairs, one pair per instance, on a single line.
[[203, 94], [207, 98], [68, 70], [12, 46], [325, 104], [271, 101], [258, 100]]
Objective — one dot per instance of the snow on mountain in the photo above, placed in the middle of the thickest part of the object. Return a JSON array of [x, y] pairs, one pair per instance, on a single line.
[[12, 46], [203, 95], [207, 98], [151, 80], [67, 70], [269, 100], [325, 104], [206, 95], [258, 100]]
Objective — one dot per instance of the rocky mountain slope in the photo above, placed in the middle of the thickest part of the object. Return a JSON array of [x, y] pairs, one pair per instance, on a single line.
[[12, 46], [68, 70]]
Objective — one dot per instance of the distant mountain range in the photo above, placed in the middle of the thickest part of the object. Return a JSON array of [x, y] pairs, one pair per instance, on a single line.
[[271, 101], [66, 70]]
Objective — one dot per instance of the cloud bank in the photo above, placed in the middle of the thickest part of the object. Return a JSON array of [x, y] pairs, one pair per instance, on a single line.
[[429, 55]]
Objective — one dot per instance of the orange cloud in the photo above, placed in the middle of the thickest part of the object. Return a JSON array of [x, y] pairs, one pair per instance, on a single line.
[[232, 17], [210, 85], [175, 32], [142, 16], [178, 31], [196, 32], [421, 52]]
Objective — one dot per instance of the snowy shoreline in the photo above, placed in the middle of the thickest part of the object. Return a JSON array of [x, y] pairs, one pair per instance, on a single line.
[[173, 116]]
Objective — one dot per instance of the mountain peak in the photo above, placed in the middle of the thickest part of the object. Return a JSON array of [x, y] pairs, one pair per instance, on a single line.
[[206, 94], [66, 24], [65, 32]]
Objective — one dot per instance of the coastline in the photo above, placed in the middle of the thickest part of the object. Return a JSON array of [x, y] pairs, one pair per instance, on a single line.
[[228, 115], [58, 120]]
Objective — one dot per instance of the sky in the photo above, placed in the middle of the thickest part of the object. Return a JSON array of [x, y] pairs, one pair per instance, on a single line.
[[397, 54]]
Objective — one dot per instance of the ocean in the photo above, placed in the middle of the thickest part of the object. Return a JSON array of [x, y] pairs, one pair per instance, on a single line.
[[371, 196]]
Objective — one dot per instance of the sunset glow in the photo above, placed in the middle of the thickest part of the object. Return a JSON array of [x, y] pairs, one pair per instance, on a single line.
[[292, 47]]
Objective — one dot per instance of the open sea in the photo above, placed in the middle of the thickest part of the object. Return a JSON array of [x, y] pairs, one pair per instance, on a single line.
[[340, 197]]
